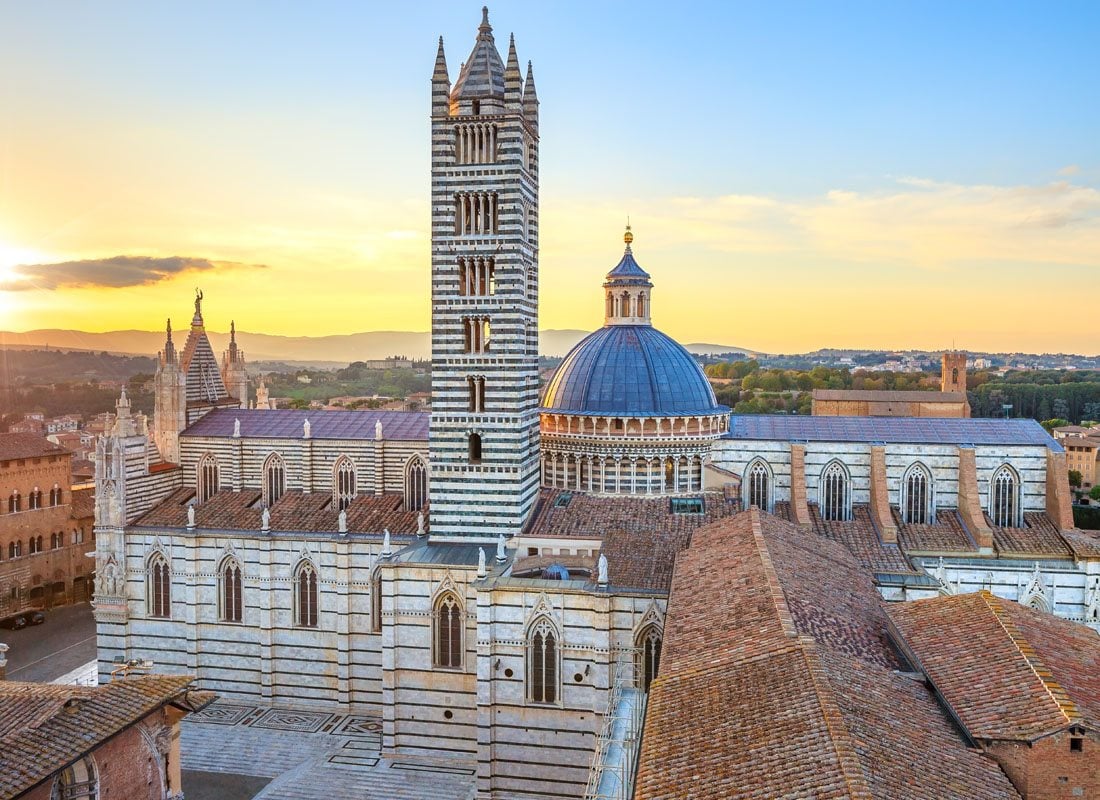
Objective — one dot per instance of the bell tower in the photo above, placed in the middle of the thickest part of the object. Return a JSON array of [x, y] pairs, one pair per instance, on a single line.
[[953, 372], [484, 435]]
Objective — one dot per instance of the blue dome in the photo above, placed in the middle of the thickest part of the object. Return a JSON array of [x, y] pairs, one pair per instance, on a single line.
[[630, 370]]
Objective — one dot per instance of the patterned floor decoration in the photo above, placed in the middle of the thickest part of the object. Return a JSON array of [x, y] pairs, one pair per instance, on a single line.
[[414, 767], [352, 726], [356, 754]]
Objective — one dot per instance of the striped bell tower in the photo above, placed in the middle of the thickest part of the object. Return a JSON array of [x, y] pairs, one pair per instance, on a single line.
[[484, 439]]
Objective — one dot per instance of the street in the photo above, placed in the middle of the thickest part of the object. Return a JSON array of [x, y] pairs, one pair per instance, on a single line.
[[65, 641]]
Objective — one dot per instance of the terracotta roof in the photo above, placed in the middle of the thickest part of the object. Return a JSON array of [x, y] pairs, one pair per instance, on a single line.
[[1006, 671], [1084, 544], [863, 540], [27, 445], [46, 726], [83, 504], [946, 535], [777, 680], [641, 536], [294, 512], [1039, 537]]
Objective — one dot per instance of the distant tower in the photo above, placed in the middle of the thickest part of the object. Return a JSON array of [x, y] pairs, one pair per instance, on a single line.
[[262, 399], [484, 438], [169, 401], [953, 372], [234, 372]]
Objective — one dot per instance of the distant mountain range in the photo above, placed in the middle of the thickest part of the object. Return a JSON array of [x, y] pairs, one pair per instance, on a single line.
[[343, 348]]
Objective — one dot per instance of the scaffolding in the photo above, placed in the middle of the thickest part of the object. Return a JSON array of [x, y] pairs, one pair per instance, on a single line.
[[616, 758]]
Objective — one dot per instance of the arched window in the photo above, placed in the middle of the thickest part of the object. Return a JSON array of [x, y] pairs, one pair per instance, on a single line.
[[158, 601], [376, 601], [230, 598], [416, 484], [475, 448], [610, 304], [78, 781], [542, 662], [206, 477], [835, 493], [55, 495], [274, 479], [648, 656], [14, 503], [13, 549], [305, 600], [916, 502], [343, 483], [1004, 498], [641, 305], [34, 499], [757, 491], [447, 639]]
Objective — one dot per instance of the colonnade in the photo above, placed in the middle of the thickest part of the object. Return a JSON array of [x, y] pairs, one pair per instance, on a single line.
[[626, 427], [476, 143], [476, 213], [644, 475]]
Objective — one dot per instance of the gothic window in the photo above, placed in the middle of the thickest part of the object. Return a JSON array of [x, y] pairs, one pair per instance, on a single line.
[[305, 595], [542, 662], [447, 639], [34, 544], [416, 484], [916, 502], [758, 486], [56, 540], [1004, 498], [955, 376], [343, 483], [34, 499], [55, 495], [376, 601], [474, 448], [206, 478], [15, 549], [648, 656], [229, 576], [274, 479], [835, 493], [159, 587], [14, 503], [77, 782]]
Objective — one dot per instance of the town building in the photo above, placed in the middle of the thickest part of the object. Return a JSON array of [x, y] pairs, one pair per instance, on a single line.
[[118, 740], [950, 401], [493, 576], [46, 528]]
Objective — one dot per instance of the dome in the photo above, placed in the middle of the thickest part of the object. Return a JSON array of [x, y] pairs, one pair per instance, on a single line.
[[630, 370]]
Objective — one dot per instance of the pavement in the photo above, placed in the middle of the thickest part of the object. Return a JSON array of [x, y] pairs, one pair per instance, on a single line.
[[242, 751], [63, 643]]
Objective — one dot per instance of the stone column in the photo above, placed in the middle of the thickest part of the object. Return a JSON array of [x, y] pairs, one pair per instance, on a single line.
[[970, 501], [880, 496]]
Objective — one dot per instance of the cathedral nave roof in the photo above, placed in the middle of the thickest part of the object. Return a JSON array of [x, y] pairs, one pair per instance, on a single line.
[[289, 423]]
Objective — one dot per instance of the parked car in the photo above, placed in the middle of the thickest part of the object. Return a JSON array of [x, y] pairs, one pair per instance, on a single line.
[[21, 619]]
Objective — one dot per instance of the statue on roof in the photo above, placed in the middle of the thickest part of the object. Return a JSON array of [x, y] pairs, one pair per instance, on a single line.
[[265, 519], [191, 516], [481, 570], [601, 570], [420, 523], [342, 521], [198, 301]]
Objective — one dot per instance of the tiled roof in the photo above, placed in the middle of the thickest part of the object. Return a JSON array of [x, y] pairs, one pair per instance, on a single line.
[[289, 424], [946, 535], [903, 430], [889, 396], [1084, 544], [1039, 537], [1006, 671], [627, 268], [294, 512], [641, 536], [863, 540], [777, 680], [27, 445], [83, 505], [46, 726]]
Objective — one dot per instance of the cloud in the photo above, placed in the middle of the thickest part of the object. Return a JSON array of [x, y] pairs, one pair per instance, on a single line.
[[1070, 169], [113, 273]]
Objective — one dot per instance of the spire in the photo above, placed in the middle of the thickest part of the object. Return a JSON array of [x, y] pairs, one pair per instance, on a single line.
[[513, 78], [484, 29], [530, 98], [440, 73], [233, 323], [441, 84], [482, 75], [169, 347]]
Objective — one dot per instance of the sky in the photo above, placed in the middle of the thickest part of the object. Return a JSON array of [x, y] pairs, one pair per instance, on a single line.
[[797, 174]]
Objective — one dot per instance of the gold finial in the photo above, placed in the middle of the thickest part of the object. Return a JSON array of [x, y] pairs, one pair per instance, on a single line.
[[628, 237]]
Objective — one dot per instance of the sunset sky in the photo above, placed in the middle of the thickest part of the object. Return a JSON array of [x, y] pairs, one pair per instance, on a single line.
[[798, 175]]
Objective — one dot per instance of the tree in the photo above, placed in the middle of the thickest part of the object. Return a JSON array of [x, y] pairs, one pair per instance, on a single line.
[[1094, 492], [1075, 478], [1051, 424]]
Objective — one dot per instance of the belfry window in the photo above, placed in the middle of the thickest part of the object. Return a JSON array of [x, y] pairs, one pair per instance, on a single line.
[[305, 596], [917, 500], [477, 277], [207, 478], [159, 587], [343, 483], [230, 598], [1004, 498], [447, 641], [835, 493], [476, 333], [274, 479], [542, 663], [758, 486], [648, 656]]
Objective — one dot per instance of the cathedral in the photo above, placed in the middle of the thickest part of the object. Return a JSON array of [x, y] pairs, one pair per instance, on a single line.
[[494, 576]]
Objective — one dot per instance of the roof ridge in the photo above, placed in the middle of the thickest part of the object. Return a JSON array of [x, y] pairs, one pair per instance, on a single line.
[[775, 588], [848, 761], [1053, 688]]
